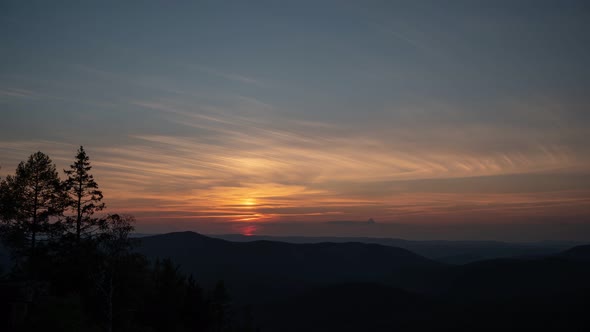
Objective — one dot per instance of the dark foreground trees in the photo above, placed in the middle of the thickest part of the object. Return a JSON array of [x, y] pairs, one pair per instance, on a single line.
[[85, 199], [75, 270], [33, 202]]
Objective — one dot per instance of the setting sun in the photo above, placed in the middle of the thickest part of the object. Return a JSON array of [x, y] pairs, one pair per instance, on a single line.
[[249, 202], [401, 165]]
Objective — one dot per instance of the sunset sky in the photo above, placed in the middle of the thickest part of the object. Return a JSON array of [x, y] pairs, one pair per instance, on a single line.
[[439, 120]]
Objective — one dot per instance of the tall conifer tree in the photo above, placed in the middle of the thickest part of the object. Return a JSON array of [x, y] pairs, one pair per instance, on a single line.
[[85, 197], [33, 201]]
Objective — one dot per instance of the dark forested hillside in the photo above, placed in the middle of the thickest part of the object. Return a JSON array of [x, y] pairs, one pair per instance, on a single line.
[[355, 286], [305, 261], [267, 268]]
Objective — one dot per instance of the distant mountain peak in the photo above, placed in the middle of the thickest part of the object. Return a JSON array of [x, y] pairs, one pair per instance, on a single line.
[[371, 221], [184, 235]]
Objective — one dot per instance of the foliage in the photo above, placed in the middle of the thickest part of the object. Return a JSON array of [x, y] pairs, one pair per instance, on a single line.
[[85, 275], [33, 202], [85, 199]]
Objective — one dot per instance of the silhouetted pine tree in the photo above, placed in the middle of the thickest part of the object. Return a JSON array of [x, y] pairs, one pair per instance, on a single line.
[[89, 279], [85, 198], [33, 202]]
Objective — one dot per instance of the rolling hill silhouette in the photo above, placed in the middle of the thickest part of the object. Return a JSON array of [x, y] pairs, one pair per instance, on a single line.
[[355, 286], [449, 252], [546, 294], [210, 259]]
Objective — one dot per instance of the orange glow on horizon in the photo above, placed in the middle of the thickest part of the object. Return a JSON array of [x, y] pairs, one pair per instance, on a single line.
[[269, 179], [248, 230], [248, 202]]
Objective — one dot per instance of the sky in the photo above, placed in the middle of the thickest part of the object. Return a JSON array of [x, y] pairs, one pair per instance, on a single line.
[[438, 119]]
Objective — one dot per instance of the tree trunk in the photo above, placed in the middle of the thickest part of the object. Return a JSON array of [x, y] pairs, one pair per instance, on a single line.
[[34, 226], [79, 216]]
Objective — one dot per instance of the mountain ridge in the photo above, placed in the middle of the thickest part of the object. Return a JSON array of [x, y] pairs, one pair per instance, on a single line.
[[445, 251]]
